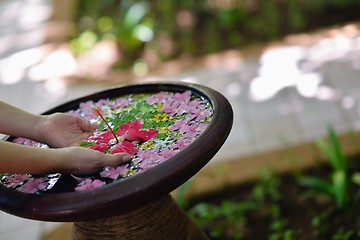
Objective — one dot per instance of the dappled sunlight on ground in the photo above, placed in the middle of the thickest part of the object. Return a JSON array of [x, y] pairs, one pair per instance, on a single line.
[[15, 66], [297, 66], [21, 32]]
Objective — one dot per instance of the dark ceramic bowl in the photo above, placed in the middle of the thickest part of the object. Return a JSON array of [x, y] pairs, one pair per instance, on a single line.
[[133, 192]]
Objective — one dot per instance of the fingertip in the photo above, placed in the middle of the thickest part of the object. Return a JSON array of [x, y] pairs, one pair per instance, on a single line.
[[93, 126], [126, 158], [121, 158], [88, 126]]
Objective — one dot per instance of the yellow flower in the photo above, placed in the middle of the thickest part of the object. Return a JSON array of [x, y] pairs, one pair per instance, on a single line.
[[147, 145], [161, 117], [163, 130], [159, 106], [130, 172]]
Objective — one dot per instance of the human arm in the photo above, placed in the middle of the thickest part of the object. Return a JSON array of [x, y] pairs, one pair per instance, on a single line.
[[15, 158], [16, 122], [56, 130]]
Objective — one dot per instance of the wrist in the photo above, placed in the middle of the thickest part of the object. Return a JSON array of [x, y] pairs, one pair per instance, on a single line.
[[38, 131], [62, 159], [17, 122]]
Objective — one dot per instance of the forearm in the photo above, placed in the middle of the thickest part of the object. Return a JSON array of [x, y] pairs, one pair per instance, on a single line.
[[19, 123], [15, 158]]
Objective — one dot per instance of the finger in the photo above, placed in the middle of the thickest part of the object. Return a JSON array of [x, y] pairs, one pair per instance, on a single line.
[[117, 159], [79, 139], [87, 126]]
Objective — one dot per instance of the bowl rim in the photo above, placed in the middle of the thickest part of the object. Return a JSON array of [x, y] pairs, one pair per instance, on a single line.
[[130, 193]]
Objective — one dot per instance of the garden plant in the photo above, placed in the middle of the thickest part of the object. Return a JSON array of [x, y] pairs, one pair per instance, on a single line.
[[157, 31], [320, 203]]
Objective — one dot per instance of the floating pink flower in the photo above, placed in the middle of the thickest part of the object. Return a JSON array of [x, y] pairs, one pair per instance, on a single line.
[[180, 143], [145, 165], [125, 146], [166, 154], [200, 114], [157, 98], [101, 102], [190, 130], [170, 108], [132, 131], [16, 180], [33, 185], [87, 110], [178, 124], [126, 133], [88, 184], [114, 173], [149, 154], [119, 103], [182, 97]]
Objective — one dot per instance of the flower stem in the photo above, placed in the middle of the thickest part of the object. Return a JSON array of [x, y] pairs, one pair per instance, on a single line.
[[98, 112]]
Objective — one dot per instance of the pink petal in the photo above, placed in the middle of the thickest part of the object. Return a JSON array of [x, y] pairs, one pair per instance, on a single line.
[[141, 135], [123, 128], [101, 137], [101, 147], [88, 184], [33, 185], [125, 146], [114, 173]]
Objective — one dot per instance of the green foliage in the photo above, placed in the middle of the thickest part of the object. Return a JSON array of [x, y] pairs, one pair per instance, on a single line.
[[338, 184], [225, 219], [319, 223], [230, 217], [267, 187], [171, 28], [341, 234], [87, 144], [127, 23], [132, 28]]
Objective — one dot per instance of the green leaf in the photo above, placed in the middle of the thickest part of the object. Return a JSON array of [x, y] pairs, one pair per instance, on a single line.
[[102, 126], [329, 153], [332, 151], [356, 178], [340, 188], [87, 144], [317, 184], [340, 158], [135, 14]]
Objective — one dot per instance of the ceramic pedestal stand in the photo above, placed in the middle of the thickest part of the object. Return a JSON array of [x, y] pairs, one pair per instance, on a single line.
[[161, 219], [138, 207]]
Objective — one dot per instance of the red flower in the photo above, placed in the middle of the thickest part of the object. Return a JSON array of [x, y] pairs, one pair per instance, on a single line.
[[126, 134], [132, 131]]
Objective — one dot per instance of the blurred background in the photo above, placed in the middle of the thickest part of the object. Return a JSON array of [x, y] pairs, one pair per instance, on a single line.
[[289, 67]]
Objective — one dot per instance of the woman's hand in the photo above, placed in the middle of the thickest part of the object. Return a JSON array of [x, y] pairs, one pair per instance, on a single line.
[[79, 160], [63, 130], [16, 158], [58, 130]]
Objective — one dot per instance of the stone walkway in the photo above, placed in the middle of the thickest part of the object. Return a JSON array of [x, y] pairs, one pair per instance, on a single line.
[[288, 95], [285, 96]]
